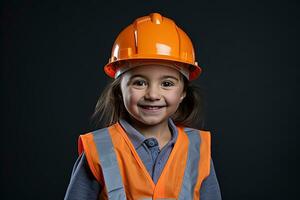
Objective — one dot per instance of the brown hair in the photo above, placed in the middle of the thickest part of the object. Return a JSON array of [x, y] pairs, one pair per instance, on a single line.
[[110, 107]]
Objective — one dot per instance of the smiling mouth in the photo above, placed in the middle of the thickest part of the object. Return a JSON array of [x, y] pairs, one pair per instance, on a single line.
[[151, 107]]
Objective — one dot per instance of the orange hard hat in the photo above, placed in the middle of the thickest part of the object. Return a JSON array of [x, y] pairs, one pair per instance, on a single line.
[[153, 38]]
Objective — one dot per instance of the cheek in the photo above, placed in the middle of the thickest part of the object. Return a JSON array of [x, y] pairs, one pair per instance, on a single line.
[[132, 97], [173, 98]]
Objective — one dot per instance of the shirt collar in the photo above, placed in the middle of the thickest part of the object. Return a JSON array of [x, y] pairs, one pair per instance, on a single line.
[[137, 138]]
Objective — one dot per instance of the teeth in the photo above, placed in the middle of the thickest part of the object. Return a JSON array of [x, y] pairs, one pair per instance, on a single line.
[[151, 107]]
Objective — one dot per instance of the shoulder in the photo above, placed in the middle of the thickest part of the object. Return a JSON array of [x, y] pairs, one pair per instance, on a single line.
[[88, 140], [197, 136], [94, 132], [191, 131], [97, 132], [97, 137]]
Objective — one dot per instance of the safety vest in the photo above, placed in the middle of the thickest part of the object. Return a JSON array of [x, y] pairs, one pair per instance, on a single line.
[[115, 163]]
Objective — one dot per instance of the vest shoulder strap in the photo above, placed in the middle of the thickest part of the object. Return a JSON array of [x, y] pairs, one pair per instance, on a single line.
[[86, 145], [198, 164], [102, 161], [205, 148]]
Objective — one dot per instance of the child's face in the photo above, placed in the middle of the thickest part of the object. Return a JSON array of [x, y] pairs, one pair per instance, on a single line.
[[152, 93]]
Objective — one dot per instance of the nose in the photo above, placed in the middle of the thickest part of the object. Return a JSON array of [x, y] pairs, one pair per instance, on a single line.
[[153, 93]]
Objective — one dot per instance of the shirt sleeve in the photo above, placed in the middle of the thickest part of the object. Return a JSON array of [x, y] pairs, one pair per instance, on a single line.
[[82, 185], [210, 189]]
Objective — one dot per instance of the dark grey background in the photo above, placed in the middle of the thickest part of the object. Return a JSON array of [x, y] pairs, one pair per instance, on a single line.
[[51, 77]]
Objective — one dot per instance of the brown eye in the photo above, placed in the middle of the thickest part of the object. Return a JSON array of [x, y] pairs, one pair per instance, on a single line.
[[167, 83], [139, 83]]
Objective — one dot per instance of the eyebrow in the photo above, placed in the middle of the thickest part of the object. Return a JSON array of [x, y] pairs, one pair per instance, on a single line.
[[163, 77]]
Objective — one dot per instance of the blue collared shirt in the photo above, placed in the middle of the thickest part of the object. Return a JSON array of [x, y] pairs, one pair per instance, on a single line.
[[153, 158], [83, 185]]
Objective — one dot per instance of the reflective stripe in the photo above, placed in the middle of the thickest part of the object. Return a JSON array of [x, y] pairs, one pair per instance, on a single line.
[[158, 199], [191, 169], [109, 165]]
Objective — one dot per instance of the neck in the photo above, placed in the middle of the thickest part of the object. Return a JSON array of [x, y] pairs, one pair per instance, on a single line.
[[159, 131]]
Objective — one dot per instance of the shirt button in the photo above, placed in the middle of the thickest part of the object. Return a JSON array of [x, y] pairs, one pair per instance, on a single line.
[[151, 142]]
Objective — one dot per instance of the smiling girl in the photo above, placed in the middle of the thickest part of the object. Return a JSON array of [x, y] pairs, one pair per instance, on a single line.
[[148, 149]]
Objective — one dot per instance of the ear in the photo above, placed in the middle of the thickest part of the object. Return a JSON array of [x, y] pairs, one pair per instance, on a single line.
[[182, 96]]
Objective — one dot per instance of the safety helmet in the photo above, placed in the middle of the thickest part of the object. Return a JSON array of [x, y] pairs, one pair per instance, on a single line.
[[153, 38]]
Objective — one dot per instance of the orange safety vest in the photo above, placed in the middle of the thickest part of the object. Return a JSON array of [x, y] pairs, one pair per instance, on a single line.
[[115, 163]]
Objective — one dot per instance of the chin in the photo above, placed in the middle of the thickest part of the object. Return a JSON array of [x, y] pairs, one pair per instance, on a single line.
[[152, 122]]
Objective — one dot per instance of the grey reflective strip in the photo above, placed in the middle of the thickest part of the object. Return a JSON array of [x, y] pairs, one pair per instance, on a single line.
[[109, 164], [191, 168], [157, 199]]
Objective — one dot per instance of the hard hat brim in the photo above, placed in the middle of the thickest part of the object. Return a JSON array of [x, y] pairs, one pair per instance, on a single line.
[[111, 68]]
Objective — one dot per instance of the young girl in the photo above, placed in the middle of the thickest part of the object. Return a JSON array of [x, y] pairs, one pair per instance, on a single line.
[[146, 150]]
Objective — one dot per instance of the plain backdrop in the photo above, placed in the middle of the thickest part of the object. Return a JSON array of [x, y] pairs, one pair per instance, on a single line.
[[53, 53]]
